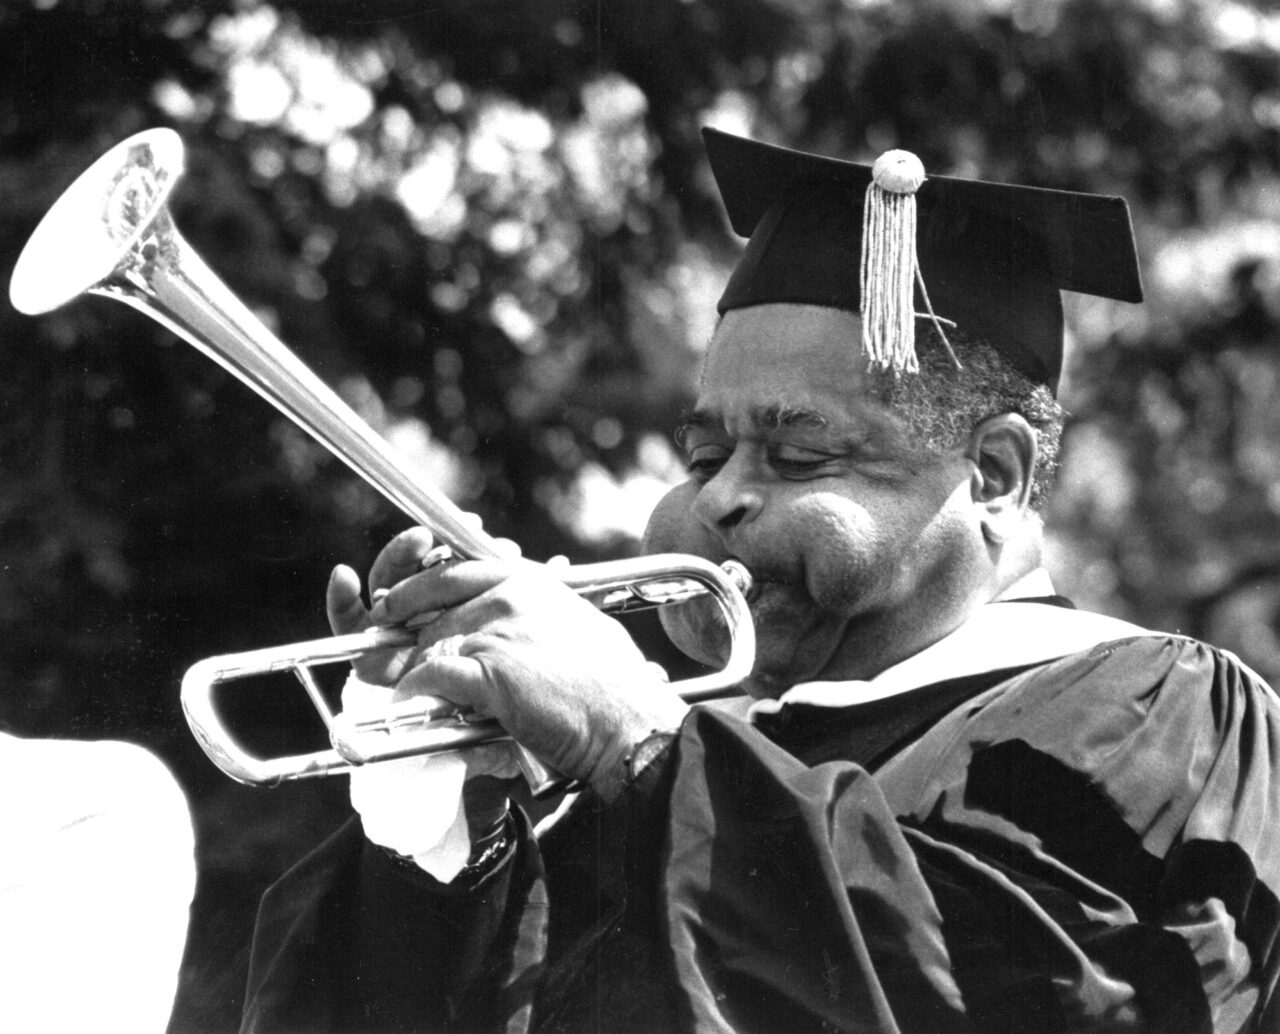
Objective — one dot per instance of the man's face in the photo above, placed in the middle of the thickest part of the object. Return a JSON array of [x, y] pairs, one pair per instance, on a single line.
[[862, 544]]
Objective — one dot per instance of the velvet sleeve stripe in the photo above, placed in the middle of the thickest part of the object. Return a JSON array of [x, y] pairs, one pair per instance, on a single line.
[[1206, 870], [1082, 831], [1072, 820], [1027, 958]]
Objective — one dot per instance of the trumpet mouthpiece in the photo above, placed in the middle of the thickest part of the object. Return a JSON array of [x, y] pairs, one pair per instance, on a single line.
[[737, 572]]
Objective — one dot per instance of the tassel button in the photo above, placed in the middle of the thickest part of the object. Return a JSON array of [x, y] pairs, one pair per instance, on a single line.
[[898, 172]]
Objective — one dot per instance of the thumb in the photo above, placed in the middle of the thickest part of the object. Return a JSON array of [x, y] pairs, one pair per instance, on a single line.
[[342, 601]]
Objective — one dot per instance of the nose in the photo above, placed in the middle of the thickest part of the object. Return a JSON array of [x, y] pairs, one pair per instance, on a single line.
[[732, 497]]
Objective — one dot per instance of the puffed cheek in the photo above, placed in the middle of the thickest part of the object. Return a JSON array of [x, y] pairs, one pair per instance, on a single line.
[[672, 526]]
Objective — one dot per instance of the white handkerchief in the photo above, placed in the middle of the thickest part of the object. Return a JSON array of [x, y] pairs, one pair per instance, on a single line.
[[414, 805]]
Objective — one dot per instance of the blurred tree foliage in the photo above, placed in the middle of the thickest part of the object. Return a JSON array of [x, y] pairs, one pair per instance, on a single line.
[[489, 225]]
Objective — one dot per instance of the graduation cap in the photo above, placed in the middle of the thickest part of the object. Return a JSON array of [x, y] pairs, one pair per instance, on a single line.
[[894, 246]]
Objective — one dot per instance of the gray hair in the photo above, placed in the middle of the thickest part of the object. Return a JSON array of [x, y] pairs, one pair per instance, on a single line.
[[942, 404]]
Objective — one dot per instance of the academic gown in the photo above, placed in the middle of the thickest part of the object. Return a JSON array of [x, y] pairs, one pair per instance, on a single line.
[[1089, 842]]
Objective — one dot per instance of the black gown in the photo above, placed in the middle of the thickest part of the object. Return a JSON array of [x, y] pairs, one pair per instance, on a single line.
[[1089, 843]]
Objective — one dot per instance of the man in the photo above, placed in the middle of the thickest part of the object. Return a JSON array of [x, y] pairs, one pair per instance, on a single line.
[[952, 803]]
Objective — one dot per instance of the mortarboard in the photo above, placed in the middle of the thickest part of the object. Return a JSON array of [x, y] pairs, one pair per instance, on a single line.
[[992, 257]]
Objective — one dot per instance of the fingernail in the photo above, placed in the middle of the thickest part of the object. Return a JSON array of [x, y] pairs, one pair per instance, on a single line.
[[423, 619], [378, 595], [436, 556]]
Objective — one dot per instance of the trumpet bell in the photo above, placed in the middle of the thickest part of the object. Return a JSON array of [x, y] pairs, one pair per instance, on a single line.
[[94, 227]]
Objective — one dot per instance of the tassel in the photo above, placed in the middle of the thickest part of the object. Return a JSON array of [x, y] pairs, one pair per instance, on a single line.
[[889, 268]]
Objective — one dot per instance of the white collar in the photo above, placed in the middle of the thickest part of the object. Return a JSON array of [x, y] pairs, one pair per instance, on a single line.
[[1032, 584], [1003, 634]]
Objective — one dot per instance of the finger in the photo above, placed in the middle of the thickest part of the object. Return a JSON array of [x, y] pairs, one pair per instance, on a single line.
[[401, 557], [456, 678], [342, 602], [509, 549], [438, 589]]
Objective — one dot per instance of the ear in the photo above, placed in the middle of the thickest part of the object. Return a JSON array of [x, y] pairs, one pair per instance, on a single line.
[[1003, 452]]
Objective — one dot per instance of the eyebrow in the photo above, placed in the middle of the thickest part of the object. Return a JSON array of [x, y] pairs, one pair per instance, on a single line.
[[773, 417]]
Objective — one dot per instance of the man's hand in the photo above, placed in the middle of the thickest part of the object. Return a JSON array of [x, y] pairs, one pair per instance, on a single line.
[[400, 558], [487, 783], [563, 679]]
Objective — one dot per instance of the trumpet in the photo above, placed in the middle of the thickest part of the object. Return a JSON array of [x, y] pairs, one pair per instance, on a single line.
[[111, 234]]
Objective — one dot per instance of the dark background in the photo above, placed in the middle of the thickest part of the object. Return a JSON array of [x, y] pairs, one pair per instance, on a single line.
[[489, 226]]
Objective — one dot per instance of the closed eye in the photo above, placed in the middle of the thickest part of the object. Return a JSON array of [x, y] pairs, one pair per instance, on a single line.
[[795, 462], [705, 462]]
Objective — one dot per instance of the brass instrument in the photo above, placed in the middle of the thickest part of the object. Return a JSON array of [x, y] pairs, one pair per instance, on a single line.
[[111, 233]]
